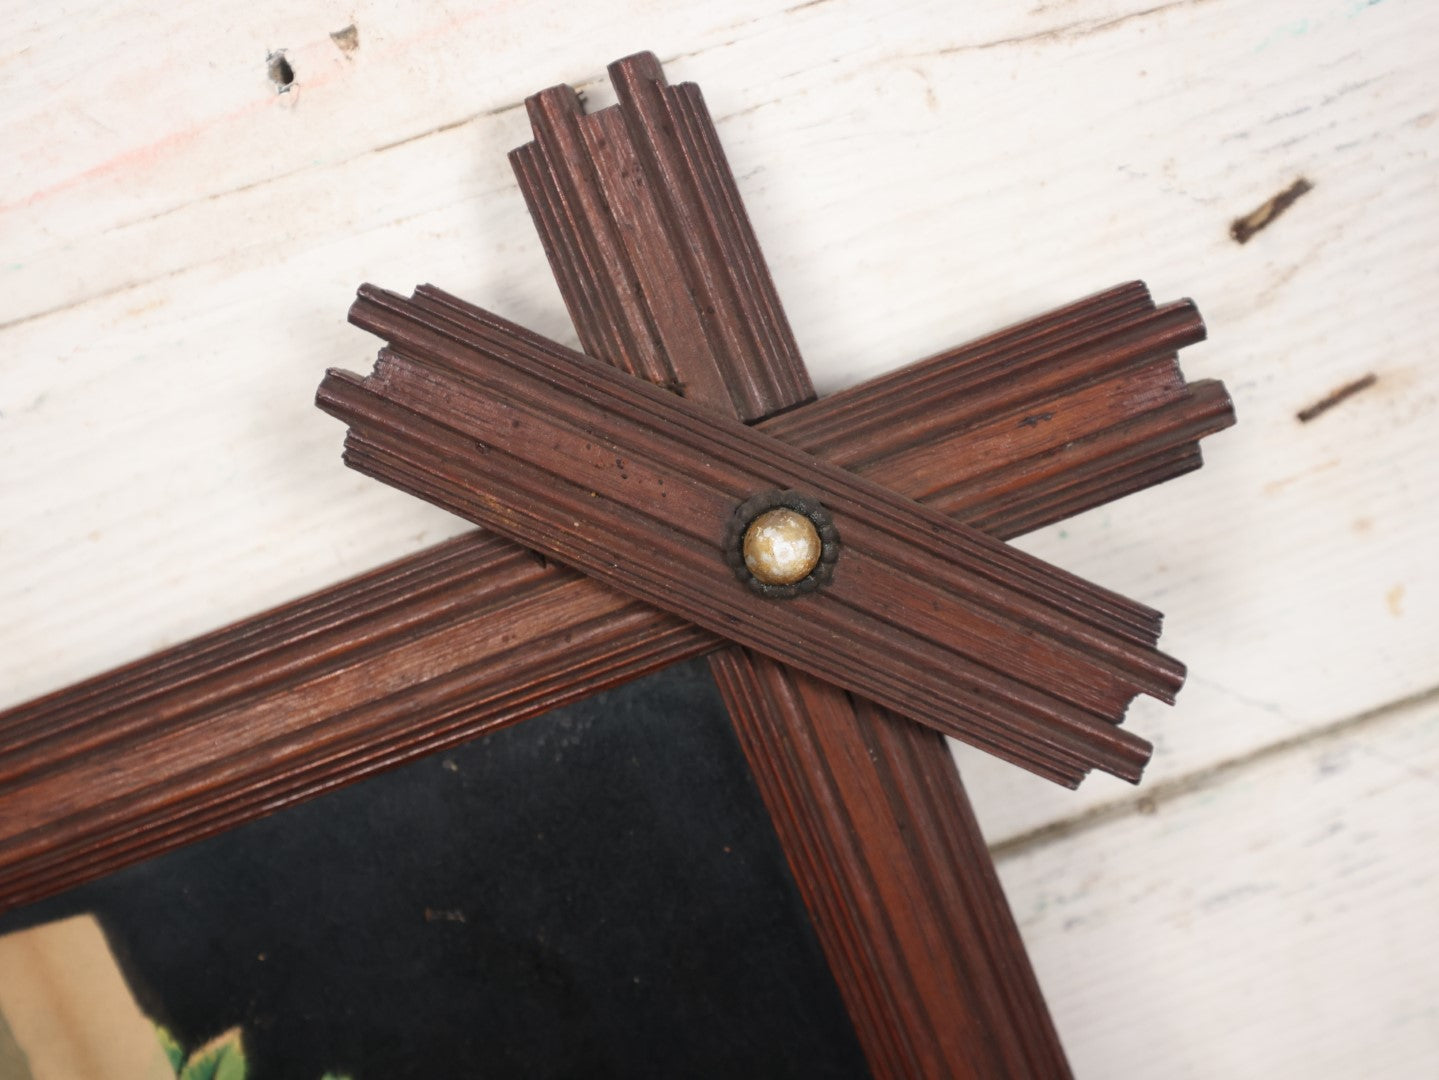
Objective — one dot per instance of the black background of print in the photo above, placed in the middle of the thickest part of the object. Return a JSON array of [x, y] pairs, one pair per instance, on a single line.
[[597, 892]]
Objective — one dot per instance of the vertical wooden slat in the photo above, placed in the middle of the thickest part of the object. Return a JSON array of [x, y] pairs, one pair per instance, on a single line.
[[872, 816]]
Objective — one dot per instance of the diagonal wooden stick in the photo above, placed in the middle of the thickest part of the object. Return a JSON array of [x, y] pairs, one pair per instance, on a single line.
[[635, 488]]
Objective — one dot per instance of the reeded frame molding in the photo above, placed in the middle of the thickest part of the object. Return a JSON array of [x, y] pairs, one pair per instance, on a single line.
[[870, 810]]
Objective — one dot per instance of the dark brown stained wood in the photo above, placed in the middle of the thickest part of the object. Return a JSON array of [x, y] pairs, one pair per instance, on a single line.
[[917, 931], [1025, 449], [635, 487], [651, 245], [612, 248], [869, 809], [895, 872], [410, 658], [156, 722], [935, 977]]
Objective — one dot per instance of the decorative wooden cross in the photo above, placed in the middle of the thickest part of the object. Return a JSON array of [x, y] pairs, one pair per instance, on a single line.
[[663, 277]]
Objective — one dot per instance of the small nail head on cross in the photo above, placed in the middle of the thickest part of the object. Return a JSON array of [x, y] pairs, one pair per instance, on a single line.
[[782, 544]]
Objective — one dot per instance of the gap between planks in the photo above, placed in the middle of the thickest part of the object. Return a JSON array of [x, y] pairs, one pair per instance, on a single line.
[[1148, 801]]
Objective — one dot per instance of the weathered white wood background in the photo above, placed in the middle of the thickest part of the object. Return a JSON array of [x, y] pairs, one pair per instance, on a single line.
[[179, 243]]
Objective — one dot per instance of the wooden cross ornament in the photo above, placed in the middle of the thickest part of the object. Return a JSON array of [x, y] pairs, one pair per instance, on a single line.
[[911, 618], [621, 480]]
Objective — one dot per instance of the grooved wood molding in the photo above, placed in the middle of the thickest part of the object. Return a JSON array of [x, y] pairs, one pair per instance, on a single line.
[[177, 251]]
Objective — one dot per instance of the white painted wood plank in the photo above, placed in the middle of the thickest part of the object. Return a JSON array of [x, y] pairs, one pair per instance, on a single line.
[[1276, 920], [916, 178], [116, 116]]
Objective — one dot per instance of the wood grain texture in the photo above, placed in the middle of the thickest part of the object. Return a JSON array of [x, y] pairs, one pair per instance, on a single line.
[[869, 809], [57, 834], [899, 882], [917, 180], [633, 272], [409, 659], [655, 256], [920, 941], [1038, 436], [111, 554], [636, 487], [1320, 883], [1022, 1028]]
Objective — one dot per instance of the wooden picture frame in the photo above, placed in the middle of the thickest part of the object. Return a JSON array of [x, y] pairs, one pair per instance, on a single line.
[[662, 274]]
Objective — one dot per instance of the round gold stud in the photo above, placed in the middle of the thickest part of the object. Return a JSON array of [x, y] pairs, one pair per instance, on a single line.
[[781, 546]]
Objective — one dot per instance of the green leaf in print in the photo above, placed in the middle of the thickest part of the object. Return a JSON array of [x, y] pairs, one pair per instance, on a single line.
[[174, 1052], [220, 1059]]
